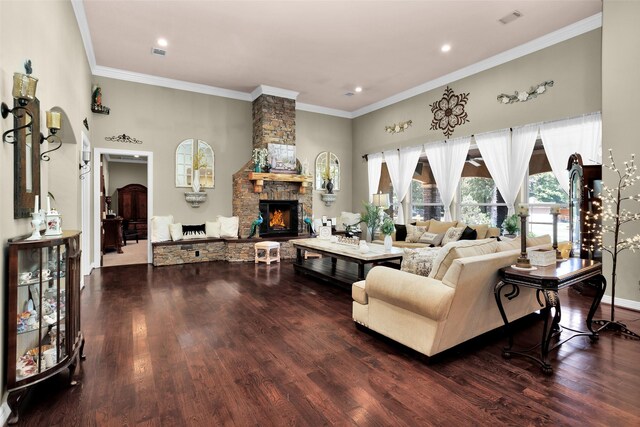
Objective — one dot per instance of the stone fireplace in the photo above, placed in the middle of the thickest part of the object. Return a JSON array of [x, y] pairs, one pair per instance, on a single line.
[[274, 121]]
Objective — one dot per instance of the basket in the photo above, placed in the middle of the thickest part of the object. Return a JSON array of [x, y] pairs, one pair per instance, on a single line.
[[542, 257]]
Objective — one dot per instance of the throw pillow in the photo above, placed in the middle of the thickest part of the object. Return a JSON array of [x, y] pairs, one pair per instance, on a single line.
[[348, 218], [193, 228], [469, 234], [482, 230], [212, 229], [431, 238], [418, 261], [452, 235], [194, 235], [160, 228], [228, 226], [176, 231], [401, 232], [414, 233]]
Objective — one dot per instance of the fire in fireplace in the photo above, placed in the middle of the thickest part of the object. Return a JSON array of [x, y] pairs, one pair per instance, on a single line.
[[280, 218]]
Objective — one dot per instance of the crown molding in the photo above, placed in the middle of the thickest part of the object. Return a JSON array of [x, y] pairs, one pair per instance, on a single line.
[[148, 79], [558, 36], [83, 26], [323, 110], [273, 91]]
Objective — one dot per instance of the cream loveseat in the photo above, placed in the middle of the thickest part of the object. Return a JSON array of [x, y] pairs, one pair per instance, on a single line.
[[453, 305]]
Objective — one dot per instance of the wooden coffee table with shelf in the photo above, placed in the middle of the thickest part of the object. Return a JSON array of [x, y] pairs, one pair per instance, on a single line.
[[341, 264]]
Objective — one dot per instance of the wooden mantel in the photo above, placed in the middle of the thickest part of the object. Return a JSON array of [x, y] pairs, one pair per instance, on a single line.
[[259, 179]]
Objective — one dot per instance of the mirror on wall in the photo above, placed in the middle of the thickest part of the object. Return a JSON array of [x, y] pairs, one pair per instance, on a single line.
[[26, 160], [191, 155], [327, 165]]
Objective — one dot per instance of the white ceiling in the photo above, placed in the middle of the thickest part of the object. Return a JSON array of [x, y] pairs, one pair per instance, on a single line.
[[321, 49]]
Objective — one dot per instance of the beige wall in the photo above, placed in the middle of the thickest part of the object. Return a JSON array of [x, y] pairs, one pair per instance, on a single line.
[[52, 42], [620, 110], [317, 133], [573, 65], [162, 118]]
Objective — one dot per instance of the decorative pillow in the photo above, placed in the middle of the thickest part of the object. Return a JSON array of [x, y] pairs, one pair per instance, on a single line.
[[469, 234], [441, 227], [414, 232], [482, 230], [461, 249], [418, 261], [193, 228], [194, 235], [431, 238], [160, 228], [228, 226], [176, 231], [452, 235], [401, 232], [212, 229]]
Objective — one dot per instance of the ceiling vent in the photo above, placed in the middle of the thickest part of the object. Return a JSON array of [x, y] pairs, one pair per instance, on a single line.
[[349, 94], [158, 51], [510, 17]]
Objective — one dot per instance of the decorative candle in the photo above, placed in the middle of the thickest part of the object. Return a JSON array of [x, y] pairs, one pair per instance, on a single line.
[[48, 204], [523, 209], [53, 120], [36, 207], [555, 209]]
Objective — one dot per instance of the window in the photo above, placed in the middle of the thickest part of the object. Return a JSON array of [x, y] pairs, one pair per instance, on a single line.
[[480, 201], [385, 187], [425, 199], [544, 191], [186, 155]]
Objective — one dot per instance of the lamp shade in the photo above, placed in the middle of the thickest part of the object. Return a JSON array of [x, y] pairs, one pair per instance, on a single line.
[[381, 200], [24, 86]]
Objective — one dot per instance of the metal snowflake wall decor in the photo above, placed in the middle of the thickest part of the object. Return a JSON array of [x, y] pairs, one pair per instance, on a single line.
[[449, 112]]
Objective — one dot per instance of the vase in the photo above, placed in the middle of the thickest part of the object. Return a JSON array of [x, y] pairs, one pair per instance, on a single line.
[[388, 242], [256, 168], [329, 187], [195, 183]]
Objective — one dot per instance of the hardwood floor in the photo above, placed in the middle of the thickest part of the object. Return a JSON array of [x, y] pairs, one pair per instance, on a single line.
[[247, 345]]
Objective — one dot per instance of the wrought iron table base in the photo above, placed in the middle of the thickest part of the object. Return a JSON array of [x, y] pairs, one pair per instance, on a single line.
[[550, 330]]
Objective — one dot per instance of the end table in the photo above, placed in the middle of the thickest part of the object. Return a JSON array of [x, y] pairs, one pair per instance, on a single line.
[[547, 281]]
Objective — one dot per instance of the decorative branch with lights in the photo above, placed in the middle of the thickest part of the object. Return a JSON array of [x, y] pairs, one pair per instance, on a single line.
[[615, 216]]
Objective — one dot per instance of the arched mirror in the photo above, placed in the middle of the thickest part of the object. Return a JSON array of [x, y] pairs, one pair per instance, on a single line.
[[192, 155], [327, 166]]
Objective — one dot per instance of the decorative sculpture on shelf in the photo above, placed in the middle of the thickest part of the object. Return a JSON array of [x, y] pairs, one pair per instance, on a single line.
[[96, 101], [309, 223], [255, 225]]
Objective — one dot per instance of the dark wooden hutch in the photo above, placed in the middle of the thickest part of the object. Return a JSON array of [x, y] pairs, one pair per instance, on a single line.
[[585, 185]]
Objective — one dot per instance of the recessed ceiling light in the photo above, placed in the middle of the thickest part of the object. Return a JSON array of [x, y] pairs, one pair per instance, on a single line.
[[163, 42], [358, 89], [445, 47]]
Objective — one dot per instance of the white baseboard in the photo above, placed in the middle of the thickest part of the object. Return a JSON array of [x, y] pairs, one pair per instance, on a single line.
[[5, 412], [624, 303]]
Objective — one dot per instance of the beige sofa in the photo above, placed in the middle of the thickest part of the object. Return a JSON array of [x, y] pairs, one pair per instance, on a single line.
[[454, 304], [438, 227]]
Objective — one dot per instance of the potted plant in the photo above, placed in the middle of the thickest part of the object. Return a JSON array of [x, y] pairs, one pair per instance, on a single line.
[[387, 228], [371, 217], [199, 162], [259, 157], [511, 226], [327, 176]]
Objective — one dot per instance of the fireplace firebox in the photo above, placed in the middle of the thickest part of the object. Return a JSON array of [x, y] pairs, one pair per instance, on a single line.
[[279, 218]]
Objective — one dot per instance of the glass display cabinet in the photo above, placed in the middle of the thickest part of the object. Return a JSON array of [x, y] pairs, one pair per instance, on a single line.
[[585, 183], [43, 312]]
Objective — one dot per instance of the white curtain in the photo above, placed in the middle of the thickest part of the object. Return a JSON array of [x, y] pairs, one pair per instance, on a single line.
[[507, 157], [446, 160], [581, 135], [402, 164], [374, 168]]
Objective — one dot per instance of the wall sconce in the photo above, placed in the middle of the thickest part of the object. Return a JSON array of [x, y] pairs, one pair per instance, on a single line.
[[53, 124], [86, 163], [24, 91]]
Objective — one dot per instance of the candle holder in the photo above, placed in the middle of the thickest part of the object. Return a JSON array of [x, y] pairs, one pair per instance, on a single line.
[[555, 214], [523, 261], [36, 222]]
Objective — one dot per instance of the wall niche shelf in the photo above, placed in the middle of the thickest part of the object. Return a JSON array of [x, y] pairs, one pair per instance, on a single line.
[[259, 178]]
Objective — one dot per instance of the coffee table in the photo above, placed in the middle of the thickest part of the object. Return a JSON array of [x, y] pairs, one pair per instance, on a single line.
[[341, 264]]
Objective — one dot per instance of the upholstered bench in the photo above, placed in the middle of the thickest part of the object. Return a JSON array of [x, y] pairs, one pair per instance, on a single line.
[[266, 248]]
